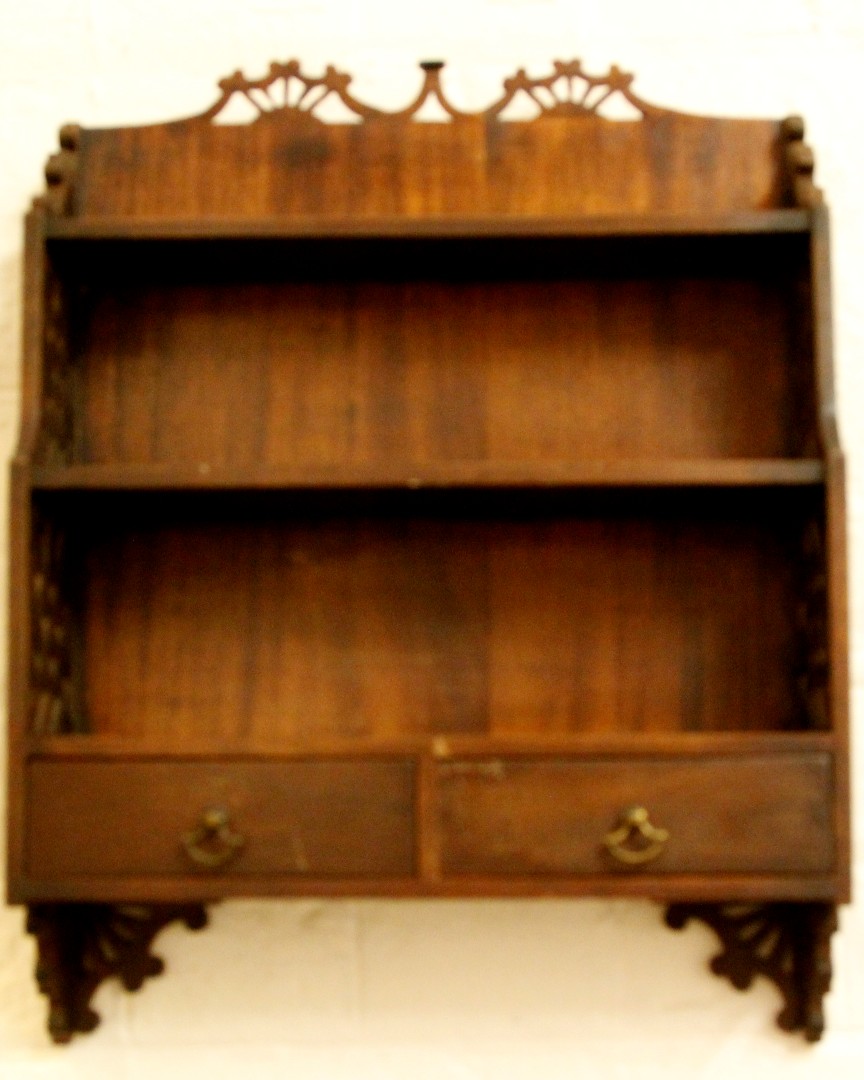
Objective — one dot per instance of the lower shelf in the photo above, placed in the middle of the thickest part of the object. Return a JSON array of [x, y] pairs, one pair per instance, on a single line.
[[295, 616]]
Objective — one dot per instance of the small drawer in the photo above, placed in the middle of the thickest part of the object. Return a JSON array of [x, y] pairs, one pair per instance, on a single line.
[[768, 814], [315, 818]]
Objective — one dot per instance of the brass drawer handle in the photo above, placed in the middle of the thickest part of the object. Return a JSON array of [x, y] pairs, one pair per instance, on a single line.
[[634, 825], [212, 843]]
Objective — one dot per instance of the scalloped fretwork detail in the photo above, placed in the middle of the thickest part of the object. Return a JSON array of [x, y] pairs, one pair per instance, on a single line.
[[571, 91], [286, 89], [567, 91]]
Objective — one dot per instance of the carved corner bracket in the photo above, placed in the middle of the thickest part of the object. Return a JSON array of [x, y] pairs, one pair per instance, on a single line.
[[788, 943], [81, 945]]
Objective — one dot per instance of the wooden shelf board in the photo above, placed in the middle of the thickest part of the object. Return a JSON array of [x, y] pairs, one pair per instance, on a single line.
[[444, 226], [440, 748], [457, 474], [201, 887]]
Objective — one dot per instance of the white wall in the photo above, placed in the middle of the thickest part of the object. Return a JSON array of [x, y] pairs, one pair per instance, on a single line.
[[441, 990]]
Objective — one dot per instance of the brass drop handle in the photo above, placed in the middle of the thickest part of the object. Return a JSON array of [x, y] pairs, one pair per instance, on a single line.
[[635, 828], [212, 843]]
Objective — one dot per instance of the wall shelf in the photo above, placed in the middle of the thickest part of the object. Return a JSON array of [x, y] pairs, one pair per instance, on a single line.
[[439, 510]]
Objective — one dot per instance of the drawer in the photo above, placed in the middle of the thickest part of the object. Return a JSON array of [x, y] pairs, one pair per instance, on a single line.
[[315, 818], [769, 814]]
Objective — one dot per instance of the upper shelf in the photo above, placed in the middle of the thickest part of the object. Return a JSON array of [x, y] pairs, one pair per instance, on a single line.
[[742, 222]]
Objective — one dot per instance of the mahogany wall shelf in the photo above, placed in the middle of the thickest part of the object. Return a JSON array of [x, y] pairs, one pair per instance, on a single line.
[[428, 509]]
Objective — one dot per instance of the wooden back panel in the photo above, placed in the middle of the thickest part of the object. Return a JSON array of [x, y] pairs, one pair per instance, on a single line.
[[358, 368], [296, 620], [405, 168]]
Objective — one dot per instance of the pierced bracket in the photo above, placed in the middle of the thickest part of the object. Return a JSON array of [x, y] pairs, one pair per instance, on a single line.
[[81, 945], [788, 943]]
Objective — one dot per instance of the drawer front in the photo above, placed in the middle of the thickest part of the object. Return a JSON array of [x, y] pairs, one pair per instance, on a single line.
[[322, 818], [766, 814]]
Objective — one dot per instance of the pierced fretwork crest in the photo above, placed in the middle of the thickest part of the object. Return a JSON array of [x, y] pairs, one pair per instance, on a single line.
[[567, 91]]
